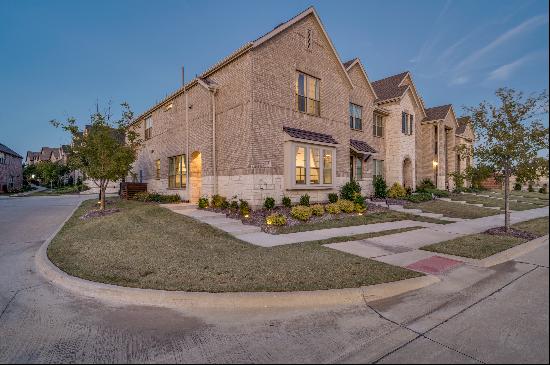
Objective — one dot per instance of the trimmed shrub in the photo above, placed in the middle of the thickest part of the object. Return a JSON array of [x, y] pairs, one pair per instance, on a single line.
[[397, 191], [419, 197], [425, 184], [350, 190], [301, 212], [218, 201], [380, 187], [346, 206], [225, 204], [333, 208], [517, 187], [360, 199], [333, 197], [439, 193], [156, 197], [542, 190], [360, 208], [530, 188], [269, 203], [287, 202], [244, 208], [318, 210], [304, 200], [234, 205], [203, 202], [276, 219]]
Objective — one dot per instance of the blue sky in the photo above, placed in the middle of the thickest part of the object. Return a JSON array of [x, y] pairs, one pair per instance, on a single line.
[[58, 57]]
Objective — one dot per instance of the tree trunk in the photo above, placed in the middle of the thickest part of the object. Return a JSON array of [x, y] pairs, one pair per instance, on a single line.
[[102, 197], [506, 200]]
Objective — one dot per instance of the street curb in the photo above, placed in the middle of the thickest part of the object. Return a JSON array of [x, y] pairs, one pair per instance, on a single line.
[[203, 300]]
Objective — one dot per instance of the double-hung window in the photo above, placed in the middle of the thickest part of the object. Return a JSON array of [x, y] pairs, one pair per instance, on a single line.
[[2, 158], [307, 94], [177, 172], [148, 127], [378, 166], [313, 165], [377, 125], [407, 124], [355, 116]]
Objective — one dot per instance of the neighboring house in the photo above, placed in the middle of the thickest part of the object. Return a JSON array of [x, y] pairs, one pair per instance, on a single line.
[[283, 116], [11, 170]]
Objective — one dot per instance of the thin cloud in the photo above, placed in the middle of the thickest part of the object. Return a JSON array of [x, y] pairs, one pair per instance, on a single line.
[[433, 40], [508, 35], [505, 71]]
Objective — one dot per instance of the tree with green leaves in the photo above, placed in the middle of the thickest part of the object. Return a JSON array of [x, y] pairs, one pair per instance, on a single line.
[[106, 150], [510, 136]]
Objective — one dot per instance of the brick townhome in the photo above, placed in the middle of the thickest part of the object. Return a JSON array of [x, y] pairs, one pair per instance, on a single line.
[[11, 170], [283, 115]]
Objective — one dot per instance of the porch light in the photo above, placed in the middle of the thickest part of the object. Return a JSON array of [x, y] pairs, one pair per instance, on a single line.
[[359, 213], [246, 215], [435, 163], [32, 176]]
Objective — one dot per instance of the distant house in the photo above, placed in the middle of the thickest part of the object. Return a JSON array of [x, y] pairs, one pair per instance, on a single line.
[[11, 170]]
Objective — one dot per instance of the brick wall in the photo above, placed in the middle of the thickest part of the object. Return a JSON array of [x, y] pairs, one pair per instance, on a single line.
[[11, 168]]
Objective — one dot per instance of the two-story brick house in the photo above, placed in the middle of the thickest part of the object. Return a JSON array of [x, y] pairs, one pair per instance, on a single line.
[[11, 170], [282, 116]]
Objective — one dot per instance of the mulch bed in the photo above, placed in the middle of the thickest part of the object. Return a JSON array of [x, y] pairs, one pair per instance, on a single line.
[[500, 231], [258, 217]]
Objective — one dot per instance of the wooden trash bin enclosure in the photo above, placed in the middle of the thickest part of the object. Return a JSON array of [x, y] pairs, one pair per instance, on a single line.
[[129, 189]]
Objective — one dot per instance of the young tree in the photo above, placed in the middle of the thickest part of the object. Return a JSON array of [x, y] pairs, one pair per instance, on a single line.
[[510, 136], [106, 151]]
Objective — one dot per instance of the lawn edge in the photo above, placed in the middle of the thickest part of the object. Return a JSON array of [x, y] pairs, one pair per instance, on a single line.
[[500, 257], [231, 300]]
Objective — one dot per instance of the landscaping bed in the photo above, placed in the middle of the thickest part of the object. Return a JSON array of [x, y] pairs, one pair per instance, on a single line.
[[146, 246], [492, 241]]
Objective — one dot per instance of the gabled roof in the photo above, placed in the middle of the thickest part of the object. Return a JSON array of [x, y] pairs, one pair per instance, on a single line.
[[46, 153], [361, 146], [462, 124], [243, 50], [356, 61], [437, 112], [33, 155], [310, 136], [390, 87], [8, 151]]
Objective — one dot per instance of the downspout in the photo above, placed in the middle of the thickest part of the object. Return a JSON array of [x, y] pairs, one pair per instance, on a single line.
[[214, 161]]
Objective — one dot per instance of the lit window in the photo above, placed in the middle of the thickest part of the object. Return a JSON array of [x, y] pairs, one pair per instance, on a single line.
[[327, 167], [314, 166], [355, 116], [157, 169], [148, 127], [378, 126], [177, 172], [307, 94], [300, 165], [318, 165]]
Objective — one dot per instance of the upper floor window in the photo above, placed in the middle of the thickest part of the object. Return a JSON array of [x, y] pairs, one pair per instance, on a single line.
[[377, 125], [407, 126], [355, 116], [148, 127], [2, 158], [307, 94]]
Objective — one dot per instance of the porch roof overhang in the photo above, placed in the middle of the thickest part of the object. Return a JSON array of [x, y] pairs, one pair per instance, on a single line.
[[362, 149], [309, 136]]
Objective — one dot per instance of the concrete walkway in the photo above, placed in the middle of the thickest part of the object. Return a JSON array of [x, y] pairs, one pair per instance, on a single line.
[[402, 249], [418, 212]]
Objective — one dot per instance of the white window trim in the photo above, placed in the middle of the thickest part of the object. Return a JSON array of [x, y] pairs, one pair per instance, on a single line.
[[291, 166]]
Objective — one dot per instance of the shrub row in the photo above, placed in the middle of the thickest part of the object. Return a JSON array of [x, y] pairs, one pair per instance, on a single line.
[[156, 197]]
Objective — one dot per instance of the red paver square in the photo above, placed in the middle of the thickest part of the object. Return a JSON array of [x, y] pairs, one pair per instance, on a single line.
[[434, 265]]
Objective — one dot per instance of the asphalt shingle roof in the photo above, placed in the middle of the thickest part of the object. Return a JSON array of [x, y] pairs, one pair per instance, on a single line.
[[389, 88], [8, 151], [437, 112], [462, 124], [310, 136], [348, 63], [361, 146]]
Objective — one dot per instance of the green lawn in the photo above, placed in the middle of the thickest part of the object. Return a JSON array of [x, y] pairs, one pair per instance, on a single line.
[[453, 210], [147, 246], [482, 245], [492, 202], [357, 220]]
